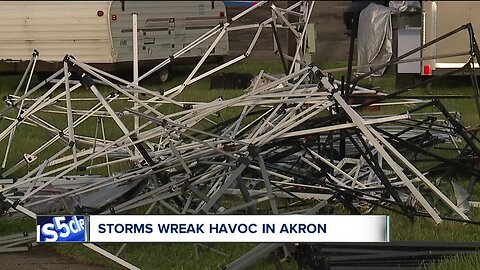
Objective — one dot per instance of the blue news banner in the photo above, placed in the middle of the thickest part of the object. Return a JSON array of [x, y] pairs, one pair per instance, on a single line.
[[213, 228], [62, 229]]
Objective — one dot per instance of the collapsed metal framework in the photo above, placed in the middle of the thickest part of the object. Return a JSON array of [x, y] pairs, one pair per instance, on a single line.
[[297, 144], [407, 254]]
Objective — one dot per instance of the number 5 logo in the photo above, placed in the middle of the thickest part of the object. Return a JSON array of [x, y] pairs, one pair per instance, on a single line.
[[61, 226]]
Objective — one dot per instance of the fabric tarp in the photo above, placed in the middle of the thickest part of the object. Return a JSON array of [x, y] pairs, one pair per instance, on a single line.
[[374, 45]]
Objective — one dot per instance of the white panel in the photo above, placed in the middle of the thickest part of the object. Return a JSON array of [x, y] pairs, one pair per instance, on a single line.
[[409, 39], [238, 228], [159, 36], [453, 65], [55, 28]]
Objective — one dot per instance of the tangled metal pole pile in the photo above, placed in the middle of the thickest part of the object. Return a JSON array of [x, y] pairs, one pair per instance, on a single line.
[[298, 144]]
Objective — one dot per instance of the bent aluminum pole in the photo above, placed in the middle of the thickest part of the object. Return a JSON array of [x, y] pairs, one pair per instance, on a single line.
[[360, 123]]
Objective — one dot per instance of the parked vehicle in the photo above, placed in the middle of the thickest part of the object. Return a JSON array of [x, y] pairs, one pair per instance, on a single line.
[[415, 27], [100, 32], [436, 19], [439, 18]]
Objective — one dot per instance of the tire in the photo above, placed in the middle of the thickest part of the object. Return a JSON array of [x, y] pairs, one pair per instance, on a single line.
[[164, 74]]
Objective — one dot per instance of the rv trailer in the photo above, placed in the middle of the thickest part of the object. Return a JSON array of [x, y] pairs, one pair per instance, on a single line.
[[436, 19], [100, 32]]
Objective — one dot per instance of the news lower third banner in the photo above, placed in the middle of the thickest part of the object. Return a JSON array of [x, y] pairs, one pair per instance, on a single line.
[[213, 228]]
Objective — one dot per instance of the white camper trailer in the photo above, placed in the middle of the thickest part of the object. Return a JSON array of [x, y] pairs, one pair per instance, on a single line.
[[436, 19], [100, 32]]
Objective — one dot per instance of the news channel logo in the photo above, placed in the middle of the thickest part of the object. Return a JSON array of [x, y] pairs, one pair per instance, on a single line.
[[62, 229]]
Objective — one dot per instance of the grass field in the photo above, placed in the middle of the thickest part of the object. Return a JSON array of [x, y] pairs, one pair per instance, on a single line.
[[183, 256]]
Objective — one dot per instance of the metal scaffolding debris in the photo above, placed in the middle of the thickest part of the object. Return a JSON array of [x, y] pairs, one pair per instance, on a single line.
[[297, 143]]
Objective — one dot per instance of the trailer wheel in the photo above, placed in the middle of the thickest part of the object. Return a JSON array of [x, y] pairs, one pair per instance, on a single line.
[[164, 74]]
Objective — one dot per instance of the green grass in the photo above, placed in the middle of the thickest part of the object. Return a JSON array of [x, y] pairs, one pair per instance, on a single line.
[[458, 263], [13, 226], [171, 255], [182, 256]]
